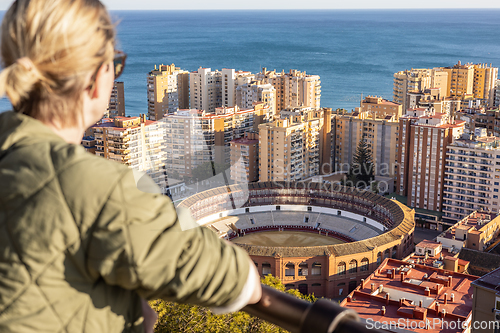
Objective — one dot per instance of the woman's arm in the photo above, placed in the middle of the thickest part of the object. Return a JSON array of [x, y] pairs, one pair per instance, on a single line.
[[138, 242]]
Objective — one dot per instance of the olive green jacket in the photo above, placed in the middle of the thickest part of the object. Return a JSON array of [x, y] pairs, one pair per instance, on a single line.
[[80, 244]]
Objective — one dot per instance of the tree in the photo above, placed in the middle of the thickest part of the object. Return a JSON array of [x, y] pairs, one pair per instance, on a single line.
[[362, 164], [208, 170], [173, 317], [374, 187]]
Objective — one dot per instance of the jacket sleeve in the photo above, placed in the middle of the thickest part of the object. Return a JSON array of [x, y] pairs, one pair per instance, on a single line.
[[140, 243]]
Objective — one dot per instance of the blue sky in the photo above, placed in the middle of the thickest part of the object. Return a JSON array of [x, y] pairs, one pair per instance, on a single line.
[[289, 4]]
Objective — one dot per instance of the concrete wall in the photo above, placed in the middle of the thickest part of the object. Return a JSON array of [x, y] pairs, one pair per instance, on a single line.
[[292, 208]]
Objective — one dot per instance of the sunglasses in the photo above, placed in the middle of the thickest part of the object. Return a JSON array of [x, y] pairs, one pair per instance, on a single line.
[[119, 62], [118, 66]]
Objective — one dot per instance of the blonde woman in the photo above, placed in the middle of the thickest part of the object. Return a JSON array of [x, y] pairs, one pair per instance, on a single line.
[[80, 245]]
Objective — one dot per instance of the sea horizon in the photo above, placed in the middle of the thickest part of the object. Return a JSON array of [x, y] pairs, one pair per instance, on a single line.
[[354, 51]]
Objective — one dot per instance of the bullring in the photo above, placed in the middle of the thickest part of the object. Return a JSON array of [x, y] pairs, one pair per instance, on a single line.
[[369, 228]]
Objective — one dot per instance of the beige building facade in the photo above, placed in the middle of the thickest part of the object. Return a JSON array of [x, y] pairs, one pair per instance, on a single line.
[[291, 146], [380, 134], [293, 89], [380, 107], [135, 142], [168, 91], [459, 82], [250, 93]]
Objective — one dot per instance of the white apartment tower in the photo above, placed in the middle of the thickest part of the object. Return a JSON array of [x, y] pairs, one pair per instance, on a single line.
[[249, 94], [472, 176], [212, 89], [194, 137]]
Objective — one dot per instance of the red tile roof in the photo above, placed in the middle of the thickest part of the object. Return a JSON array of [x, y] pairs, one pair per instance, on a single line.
[[411, 293]]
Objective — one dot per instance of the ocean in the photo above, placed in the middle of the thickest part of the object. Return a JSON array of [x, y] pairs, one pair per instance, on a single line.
[[356, 52]]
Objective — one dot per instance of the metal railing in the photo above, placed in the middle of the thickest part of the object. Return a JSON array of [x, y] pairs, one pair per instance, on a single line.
[[299, 316]]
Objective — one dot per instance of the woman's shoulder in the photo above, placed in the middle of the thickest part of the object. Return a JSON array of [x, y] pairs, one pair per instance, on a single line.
[[31, 148]]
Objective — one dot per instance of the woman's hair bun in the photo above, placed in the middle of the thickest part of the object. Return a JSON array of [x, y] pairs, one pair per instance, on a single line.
[[18, 80]]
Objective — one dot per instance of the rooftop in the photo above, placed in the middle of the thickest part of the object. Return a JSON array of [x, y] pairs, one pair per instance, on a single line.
[[475, 220], [480, 262], [490, 281], [429, 244], [414, 292]]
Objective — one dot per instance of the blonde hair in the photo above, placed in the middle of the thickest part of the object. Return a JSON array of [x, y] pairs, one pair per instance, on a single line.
[[48, 49]]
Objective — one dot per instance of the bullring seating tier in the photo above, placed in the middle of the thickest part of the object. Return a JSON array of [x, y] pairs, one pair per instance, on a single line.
[[398, 219], [353, 229]]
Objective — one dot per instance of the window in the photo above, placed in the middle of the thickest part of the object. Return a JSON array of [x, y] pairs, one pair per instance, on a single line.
[[247, 210], [341, 268], [316, 269], [364, 265], [266, 268], [278, 207], [353, 266], [303, 269], [290, 269], [309, 209]]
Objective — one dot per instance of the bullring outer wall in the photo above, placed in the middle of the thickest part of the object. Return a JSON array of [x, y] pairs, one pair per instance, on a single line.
[[334, 270]]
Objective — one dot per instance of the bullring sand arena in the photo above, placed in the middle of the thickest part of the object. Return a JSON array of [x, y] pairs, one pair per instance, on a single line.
[[321, 239], [286, 238]]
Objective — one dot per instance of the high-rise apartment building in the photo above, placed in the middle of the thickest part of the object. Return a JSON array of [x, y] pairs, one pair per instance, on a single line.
[[245, 158], [212, 89], [381, 107], [418, 80], [293, 89], [250, 93], [135, 142], [497, 94], [168, 91], [380, 134], [458, 82], [231, 80], [194, 137], [205, 88], [424, 136], [485, 77], [472, 175], [116, 105], [291, 147]]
